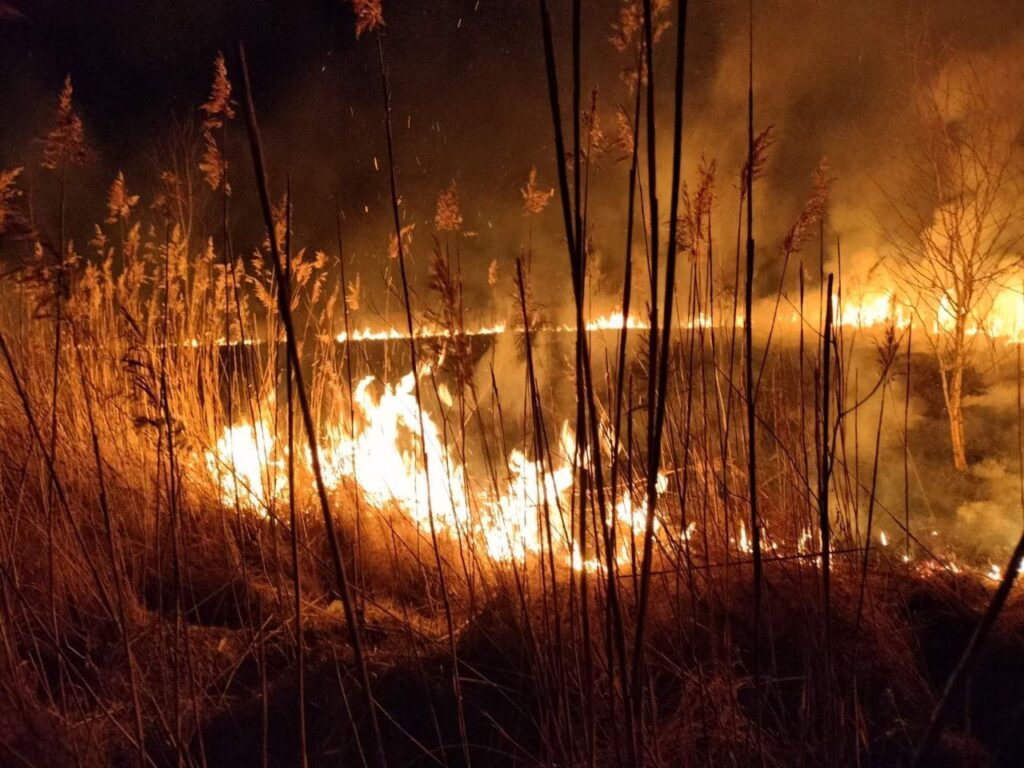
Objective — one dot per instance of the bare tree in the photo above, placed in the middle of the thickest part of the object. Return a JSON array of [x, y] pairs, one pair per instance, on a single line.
[[958, 216]]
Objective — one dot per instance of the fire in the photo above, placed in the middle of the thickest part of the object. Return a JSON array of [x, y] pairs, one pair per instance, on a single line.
[[1006, 318], [383, 457], [1000, 317], [512, 524], [398, 459], [806, 541], [870, 309], [243, 465], [426, 332], [744, 544], [614, 322]]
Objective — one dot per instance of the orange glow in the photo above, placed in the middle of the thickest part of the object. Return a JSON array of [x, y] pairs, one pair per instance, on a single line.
[[384, 459]]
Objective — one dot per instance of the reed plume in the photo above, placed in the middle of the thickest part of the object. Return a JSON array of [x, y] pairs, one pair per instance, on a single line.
[[218, 109], [369, 16], [535, 199], [119, 201], [757, 158], [9, 193], [354, 293], [813, 210], [695, 221], [406, 244], [64, 145], [627, 30], [448, 217], [625, 137]]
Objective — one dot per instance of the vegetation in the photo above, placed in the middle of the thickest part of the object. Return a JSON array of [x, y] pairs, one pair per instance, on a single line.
[[245, 522]]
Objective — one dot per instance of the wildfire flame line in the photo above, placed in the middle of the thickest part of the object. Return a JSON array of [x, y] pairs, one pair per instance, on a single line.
[[383, 460], [1003, 320]]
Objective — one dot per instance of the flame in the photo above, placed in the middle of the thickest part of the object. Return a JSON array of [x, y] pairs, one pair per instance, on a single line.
[[398, 459], [614, 322], [744, 544], [383, 457], [242, 464], [1002, 318], [805, 543], [425, 332], [870, 309], [999, 317], [398, 456]]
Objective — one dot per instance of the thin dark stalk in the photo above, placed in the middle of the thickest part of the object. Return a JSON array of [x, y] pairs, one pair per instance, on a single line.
[[620, 373], [937, 721], [284, 307], [300, 652], [539, 449], [116, 570], [748, 383], [871, 513], [357, 549], [58, 325], [906, 445], [750, 393], [590, 476], [824, 521], [455, 675], [662, 359]]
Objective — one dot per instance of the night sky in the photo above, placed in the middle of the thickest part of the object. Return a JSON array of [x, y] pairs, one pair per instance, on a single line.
[[470, 105], [141, 69]]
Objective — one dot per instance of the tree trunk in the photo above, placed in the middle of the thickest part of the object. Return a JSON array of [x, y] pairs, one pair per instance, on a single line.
[[954, 406]]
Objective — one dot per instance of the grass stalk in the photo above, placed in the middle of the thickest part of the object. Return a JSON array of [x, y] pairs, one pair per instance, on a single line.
[[284, 308]]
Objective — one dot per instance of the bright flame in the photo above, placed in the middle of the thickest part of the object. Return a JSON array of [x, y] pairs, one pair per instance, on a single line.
[[744, 544], [614, 322], [870, 309], [385, 459], [398, 457], [242, 464]]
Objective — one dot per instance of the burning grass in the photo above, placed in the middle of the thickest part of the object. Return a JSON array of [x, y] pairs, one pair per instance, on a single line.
[[242, 525]]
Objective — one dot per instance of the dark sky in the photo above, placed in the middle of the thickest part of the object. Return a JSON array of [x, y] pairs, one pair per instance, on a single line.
[[470, 104], [467, 81], [139, 67]]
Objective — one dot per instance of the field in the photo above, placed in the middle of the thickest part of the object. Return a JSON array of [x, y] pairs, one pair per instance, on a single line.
[[260, 508]]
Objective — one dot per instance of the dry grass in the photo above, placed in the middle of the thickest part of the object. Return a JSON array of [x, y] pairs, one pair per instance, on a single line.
[[170, 335]]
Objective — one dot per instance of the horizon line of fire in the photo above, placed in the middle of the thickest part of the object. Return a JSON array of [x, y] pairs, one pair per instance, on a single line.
[[1004, 320]]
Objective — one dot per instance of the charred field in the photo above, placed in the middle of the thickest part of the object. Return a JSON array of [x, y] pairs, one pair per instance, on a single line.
[[511, 385]]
